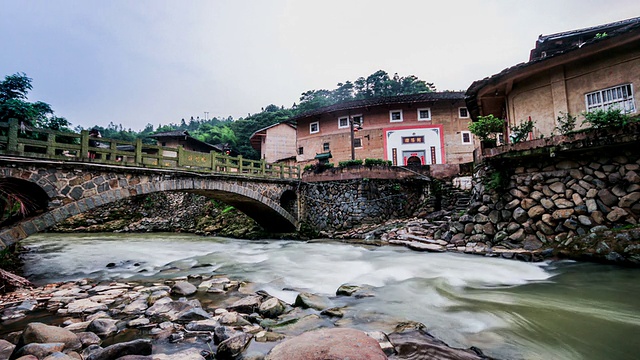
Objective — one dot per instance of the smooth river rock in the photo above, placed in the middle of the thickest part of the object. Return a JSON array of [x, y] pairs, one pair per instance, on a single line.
[[328, 344], [184, 288]]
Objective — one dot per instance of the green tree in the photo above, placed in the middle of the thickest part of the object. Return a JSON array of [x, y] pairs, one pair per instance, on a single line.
[[14, 105], [377, 84], [486, 127], [220, 134]]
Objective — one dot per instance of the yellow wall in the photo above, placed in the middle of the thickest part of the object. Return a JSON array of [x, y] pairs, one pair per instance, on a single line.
[[544, 96]]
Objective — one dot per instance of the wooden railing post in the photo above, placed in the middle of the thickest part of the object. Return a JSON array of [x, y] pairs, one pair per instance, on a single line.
[[180, 160], [282, 171], [138, 149], [263, 167], [51, 144], [213, 160], [84, 144], [12, 144], [239, 164]]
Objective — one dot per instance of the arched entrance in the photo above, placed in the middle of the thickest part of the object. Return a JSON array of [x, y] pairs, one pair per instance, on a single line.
[[414, 161]]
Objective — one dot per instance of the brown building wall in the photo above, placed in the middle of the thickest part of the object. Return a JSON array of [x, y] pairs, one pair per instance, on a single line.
[[375, 120], [546, 95]]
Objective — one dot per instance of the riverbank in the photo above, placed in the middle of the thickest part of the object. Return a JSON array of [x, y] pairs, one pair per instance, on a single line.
[[196, 317]]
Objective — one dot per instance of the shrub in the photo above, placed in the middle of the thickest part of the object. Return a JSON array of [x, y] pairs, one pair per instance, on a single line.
[[497, 180], [611, 117], [371, 162], [486, 127], [566, 123], [348, 163], [520, 132]]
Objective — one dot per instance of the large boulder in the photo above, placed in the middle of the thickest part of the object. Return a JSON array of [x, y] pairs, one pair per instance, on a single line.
[[135, 347], [233, 347], [103, 327], [307, 300], [184, 288], [272, 308], [328, 344], [408, 343], [42, 334], [192, 314], [246, 305], [38, 350], [6, 348]]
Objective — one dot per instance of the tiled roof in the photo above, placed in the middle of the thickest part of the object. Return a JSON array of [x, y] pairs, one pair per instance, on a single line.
[[174, 133], [547, 45], [627, 26], [385, 100]]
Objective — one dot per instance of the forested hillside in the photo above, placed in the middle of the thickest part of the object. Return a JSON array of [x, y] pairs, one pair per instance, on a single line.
[[235, 132]]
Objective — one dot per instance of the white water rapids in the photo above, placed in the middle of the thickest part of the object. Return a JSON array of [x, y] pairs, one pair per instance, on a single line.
[[509, 309]]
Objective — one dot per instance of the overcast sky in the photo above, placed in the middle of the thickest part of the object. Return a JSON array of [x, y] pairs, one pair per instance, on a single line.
[[153, 61]]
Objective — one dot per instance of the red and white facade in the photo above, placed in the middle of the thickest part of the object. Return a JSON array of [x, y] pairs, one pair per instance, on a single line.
[[420, 129]]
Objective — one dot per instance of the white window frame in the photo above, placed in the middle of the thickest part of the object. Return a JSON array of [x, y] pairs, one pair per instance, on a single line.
[[422, 118], [462, 133], [361, 143], [317, 124], [341, 118], [460, 112], [391, 116], [616, 97]]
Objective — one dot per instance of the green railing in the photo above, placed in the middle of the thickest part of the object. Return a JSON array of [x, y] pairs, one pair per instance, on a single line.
[[57, 145]]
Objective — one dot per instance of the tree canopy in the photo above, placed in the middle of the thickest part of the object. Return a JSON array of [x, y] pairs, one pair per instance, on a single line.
[[14, 105], [378, 84]]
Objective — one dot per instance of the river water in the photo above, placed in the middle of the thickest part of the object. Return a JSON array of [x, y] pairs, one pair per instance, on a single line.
[[509, 309]]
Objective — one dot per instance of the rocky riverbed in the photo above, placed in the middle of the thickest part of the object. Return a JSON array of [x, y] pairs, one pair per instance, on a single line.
[[199, 317], [435, 232]]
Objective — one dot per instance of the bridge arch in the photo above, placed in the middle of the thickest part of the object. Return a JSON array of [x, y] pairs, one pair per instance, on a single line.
[[73, 192]]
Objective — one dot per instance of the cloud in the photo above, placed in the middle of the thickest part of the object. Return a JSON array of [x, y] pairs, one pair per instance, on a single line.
[[157, 62]]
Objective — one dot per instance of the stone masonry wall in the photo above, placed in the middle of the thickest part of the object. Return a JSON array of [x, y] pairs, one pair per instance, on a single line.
[[342, 205], [548, 202], [74, 189]]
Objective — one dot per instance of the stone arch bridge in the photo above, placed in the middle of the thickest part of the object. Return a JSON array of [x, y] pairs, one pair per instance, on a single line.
[[59, 190]]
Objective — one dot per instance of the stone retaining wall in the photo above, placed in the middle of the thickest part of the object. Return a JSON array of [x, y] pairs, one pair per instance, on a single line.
[[548, 202], [342, 205]]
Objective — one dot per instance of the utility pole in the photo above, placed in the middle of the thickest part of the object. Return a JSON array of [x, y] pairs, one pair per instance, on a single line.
[[206, 115], [353, 149]]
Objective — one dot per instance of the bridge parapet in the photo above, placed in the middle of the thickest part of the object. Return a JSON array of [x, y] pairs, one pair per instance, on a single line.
[[73, 147]]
